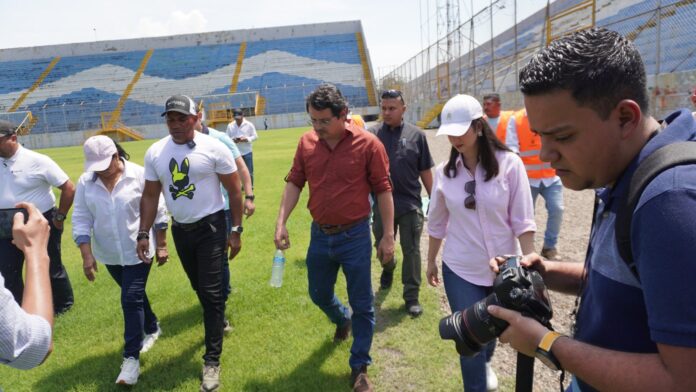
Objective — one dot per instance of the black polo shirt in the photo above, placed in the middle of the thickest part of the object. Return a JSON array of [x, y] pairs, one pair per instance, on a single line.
[[408, 152]]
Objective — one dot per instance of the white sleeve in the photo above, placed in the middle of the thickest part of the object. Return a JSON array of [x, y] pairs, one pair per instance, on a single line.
[[224, 161], [511, 139], [54, 175], [149, 164], [24, 338], [252, 132], [82, 219]]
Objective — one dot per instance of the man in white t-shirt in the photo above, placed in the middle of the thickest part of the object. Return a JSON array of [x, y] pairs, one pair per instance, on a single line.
[[27, 176], [188, 168], [243, 132]]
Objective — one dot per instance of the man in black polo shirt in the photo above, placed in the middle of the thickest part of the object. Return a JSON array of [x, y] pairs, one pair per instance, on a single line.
[[409, 160]]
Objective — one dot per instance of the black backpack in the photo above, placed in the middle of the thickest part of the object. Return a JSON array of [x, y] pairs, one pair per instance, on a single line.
[[665, 157]]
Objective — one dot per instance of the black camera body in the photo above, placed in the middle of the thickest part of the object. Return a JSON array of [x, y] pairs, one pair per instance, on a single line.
[[515, 288]]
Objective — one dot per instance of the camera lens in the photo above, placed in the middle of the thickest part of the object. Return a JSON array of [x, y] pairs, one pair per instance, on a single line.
[[472, 327]]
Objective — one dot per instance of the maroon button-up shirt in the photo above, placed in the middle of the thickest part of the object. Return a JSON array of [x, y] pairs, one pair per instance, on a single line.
[[340, 179]]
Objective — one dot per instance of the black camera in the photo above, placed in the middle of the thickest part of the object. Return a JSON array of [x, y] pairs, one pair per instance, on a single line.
[[515, 288]]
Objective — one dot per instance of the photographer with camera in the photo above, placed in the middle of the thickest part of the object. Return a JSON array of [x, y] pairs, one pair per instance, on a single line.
[[635, 328], [482, 204], [26, 332]]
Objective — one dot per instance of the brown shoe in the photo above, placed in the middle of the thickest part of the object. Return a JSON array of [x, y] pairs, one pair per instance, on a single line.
[[359, 380], [550, 254], [342, 332]]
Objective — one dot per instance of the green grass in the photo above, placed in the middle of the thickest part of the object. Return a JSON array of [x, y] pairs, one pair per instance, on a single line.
[[281, 340]]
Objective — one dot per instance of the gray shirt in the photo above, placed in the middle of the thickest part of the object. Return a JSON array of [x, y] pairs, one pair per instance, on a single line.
[[408, 152]]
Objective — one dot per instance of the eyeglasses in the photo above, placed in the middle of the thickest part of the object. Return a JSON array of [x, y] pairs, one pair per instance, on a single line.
[[392, 94], [470, 201], [322, 121]]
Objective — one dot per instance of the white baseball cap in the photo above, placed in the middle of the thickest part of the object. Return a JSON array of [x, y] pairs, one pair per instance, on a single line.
[[457, 115], [99, 151]]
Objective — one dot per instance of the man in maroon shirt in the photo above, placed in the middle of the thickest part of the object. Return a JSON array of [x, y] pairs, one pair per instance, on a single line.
[[342, 164]]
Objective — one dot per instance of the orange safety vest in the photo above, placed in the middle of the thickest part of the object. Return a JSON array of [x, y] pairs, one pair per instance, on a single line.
[[503, 119], [530, 148]]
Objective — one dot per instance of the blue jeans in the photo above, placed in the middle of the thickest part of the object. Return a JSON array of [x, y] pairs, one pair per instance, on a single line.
[[138, 317], [350, 250], [460, 295], [249, 161], [553, 196]]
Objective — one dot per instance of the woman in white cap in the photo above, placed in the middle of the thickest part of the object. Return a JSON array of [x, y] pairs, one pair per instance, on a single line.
[[105, 221], [482, 205]]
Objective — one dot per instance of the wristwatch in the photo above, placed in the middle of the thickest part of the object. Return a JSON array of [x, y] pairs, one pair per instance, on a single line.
[[143, 235], [236, 229], [543, 351], [59, 216], [250, 197]]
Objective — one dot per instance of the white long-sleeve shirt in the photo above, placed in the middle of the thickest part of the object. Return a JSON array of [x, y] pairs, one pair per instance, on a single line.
[[247, 130], [24, 338], [112, 219]]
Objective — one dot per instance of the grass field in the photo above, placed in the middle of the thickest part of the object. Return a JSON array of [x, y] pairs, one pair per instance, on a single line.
[[281, 340]]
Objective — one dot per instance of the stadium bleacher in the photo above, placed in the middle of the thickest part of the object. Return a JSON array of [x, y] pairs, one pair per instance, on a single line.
[[283, 70]]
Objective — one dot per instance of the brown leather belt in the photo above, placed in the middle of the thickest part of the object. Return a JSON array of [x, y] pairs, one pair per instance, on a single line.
[[335, 229]]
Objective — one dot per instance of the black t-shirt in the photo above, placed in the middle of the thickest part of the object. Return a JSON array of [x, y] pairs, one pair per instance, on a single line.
[[408, 152]]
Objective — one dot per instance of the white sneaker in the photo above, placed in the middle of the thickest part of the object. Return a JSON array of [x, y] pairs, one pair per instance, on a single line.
[[227, 328], [491, 378], [210, 379], [149, 339], [130, 370]]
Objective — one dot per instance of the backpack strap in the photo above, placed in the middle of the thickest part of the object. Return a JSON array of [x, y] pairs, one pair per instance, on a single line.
[[664, 158]]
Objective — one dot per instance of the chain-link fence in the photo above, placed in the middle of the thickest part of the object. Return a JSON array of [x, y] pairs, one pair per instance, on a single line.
[[484, 54]]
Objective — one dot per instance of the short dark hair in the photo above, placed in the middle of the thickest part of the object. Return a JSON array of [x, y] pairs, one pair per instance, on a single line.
[[327, 96], [487, 143], [492, 96], [599, 67]]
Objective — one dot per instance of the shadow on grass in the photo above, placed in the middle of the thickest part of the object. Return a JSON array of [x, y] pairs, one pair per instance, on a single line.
[[386, 317], [306, 376], [99, 372]]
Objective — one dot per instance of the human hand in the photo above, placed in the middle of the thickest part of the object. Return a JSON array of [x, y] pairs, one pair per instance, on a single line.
[[432, 274], [58, 224], [162, 255], [33, 235], [249, 207], [282, 237], [89, 267], [523, 333], [234, 242], [530, 261], [143, 249], [385, 250]]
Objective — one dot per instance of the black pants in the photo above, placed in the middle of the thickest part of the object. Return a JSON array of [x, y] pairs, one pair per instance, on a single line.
[[201, 250], [12, 262]]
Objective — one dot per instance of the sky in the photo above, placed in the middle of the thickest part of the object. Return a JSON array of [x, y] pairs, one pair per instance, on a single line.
[[393, 29]]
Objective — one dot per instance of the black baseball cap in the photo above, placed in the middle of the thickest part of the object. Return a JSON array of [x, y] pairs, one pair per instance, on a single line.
[[180, 104], [238, 113], [7, 128]]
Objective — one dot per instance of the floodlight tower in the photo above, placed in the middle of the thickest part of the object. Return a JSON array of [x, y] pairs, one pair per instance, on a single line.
[[448, 46]]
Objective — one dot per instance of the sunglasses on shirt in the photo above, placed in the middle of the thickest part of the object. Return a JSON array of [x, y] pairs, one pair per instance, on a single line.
[[470, 201]]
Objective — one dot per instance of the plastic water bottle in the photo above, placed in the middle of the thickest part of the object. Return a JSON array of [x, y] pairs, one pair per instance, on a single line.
[[278, 268]]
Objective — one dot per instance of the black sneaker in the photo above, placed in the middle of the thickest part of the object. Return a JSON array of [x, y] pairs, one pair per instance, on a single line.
[[414, 308]]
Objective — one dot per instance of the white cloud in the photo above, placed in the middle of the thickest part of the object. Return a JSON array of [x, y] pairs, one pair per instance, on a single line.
[[179, 22]]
